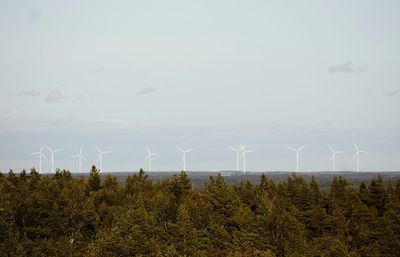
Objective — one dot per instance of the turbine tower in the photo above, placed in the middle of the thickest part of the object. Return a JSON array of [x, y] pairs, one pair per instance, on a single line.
[[297, 155], [244, 150], [52, 156], [184, 156], [333, 157], [80, 157], [149, 155], [238, 150], [100, 158], [357, 154], [40, 153]]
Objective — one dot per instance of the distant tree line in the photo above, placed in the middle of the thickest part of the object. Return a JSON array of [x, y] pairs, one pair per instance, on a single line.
[[64, 216]]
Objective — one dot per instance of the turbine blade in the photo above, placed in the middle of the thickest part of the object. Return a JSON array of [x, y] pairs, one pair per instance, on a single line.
[[58, 150], [190, 150], [105, 152], [301, 148], [242, 147], [356, 146], [180, 149], [34, 153], [75, 156], [48, 148], [44, 156], [234, 149], [148, 150], [97, 148], [363, 152], [147, 157], [330, 147], [291, 148], [355, 154], [83, 157], [332, 156]]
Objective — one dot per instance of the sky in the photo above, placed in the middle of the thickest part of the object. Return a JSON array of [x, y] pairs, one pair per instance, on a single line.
[[200, 74]]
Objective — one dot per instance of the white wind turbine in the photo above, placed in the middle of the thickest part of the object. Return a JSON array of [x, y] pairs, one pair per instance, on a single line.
[[237, 156], [40, 153], [184, 156], [333, 157], [357, 154], [149, 155], [80, 157], [52, 156], [243, 155], [297, 155], [100, 158]]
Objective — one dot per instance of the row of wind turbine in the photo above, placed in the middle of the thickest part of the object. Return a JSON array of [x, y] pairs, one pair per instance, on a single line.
[[241, 154], [333, 156], [80, 157], [42, 155], [356, 154], [151, 154], [240, 151]]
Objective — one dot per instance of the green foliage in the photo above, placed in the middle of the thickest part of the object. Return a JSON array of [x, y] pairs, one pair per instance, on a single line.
[[94, 182], [63, 216]]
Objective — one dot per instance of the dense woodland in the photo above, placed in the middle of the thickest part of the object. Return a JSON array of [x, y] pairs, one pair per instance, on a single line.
[[63, 216]]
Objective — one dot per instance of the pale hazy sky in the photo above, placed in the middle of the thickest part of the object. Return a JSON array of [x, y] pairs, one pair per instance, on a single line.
[[201, 74]]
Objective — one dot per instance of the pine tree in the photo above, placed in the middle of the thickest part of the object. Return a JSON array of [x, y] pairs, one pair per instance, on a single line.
[[377, 195], [180, 185], [94, 181]]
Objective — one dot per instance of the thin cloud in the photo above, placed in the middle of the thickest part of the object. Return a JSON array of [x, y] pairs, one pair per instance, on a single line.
[[392, 93], [113, 122], [54, 97], [29, 93], [34, 15], [79, 99], [8, 113], [100, 69], [146, 90], [347, 67]]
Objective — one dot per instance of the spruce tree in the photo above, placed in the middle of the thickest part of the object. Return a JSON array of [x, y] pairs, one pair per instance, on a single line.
[[94, 181]]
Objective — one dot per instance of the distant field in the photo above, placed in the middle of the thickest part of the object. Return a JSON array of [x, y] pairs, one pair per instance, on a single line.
[[231, 177]]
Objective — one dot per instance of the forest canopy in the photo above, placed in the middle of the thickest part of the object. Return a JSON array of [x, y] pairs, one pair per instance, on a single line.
[[64, 216]]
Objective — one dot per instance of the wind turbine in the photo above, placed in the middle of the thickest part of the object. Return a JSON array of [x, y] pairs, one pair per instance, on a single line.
[[80, 157], [149, 155], [100, 159], [333, 157], [40, 153], [184, 156], [237, 156], [52, 156], [243, 155], [357, 154], [297, 155]]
